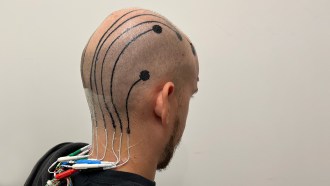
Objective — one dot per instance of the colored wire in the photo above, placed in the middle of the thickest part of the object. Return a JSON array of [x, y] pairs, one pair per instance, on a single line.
[[79, 151]]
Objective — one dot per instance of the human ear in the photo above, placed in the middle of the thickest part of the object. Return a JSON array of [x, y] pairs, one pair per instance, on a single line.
[[162, 106]]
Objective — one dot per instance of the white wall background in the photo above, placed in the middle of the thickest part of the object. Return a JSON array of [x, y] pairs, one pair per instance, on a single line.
[[261, 117]]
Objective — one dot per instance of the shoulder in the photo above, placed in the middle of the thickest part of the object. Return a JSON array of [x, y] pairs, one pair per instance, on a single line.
[[39, 174]]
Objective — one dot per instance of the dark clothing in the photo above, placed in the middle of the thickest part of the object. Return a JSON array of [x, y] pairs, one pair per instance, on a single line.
[[39, 174], [109, 177]]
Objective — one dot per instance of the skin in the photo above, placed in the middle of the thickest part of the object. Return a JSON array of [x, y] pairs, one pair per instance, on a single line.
[[157, 107]]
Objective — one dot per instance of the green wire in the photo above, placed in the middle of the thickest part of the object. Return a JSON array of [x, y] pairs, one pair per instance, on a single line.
[[75, 153]]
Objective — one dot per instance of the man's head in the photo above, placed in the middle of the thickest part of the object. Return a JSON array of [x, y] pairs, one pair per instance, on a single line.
[[139, 73]]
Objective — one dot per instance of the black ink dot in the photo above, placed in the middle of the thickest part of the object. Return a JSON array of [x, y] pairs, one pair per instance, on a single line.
[[179, 36], [144, 75], [158, 29], [193, 49]]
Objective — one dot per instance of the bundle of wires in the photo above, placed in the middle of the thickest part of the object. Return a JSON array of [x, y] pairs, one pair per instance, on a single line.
[[78, 160], [63, 169]]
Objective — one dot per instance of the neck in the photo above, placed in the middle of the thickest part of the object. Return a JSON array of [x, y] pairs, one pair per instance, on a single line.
[[139, 158]]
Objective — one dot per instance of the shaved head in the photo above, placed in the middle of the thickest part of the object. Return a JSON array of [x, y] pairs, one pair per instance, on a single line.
[[128, 59]]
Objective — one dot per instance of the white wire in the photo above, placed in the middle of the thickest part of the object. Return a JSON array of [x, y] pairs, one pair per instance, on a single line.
[[52, 165], [87, 147], [106, 143], [113, 150], [128, 154], [56, 172], [97, 146], [119, 150], [118, 158], [67, 182], [84, 152], [93, 142]]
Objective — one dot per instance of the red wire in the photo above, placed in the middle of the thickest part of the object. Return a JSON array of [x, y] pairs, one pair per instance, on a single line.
[[65, 174]]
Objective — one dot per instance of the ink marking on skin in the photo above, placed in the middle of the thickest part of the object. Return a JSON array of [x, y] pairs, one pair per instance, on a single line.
[[158, 29], [82, 66], [193, 49], [178, 35], [102, 65], [98, 44], [108, 50], [94, 61], [144, 76], [97, 51], [113, 72]]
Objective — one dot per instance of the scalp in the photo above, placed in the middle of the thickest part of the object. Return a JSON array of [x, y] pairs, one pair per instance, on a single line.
[[131, 53]]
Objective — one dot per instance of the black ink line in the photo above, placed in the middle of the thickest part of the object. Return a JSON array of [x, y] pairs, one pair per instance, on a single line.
[[95, 59], [82, 66], [103, 61], [193, 49], [99, 49], [84, 83], [144, 76], [127, 116], [178, 35], [99, 45], [91, 74], [113, 71], [83, 63]]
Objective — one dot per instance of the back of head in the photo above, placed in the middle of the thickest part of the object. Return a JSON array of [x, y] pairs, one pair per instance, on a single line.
[[139, 73], [131, 55]]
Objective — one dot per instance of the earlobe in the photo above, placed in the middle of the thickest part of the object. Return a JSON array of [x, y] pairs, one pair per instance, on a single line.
[[159, 105], [163, 102]]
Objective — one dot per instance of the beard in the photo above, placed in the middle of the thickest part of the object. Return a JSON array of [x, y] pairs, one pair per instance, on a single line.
[[170, 148]]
